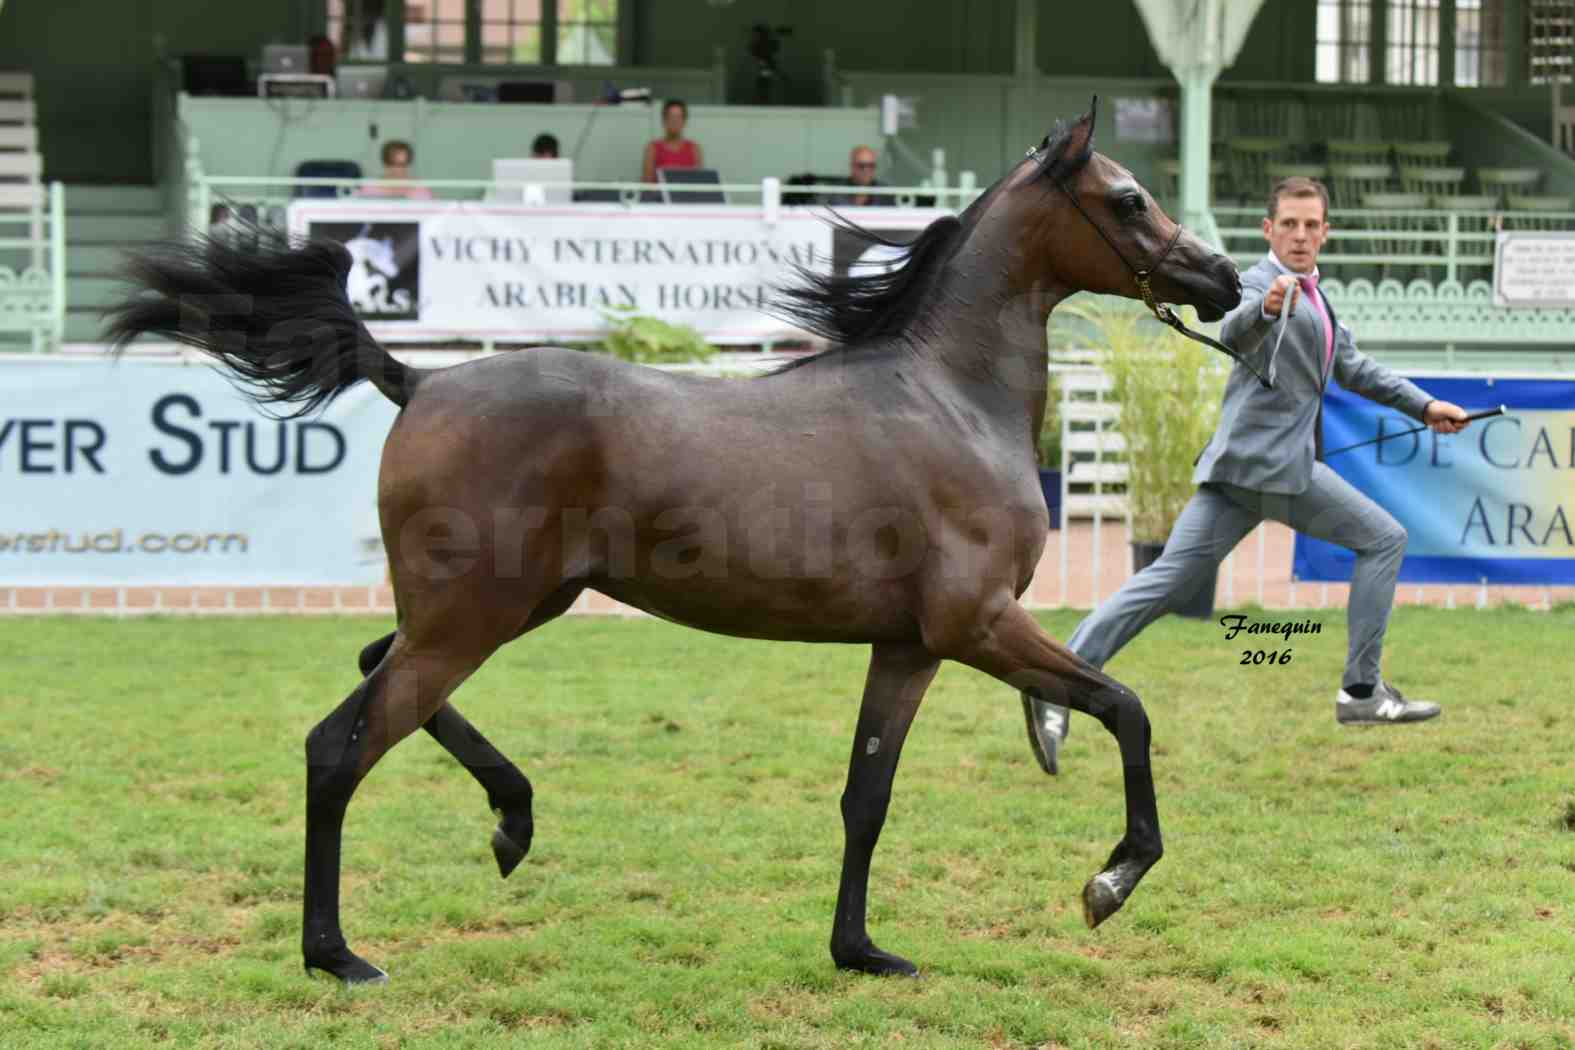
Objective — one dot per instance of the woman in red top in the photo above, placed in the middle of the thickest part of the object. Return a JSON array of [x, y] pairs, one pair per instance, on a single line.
[[672, 150]]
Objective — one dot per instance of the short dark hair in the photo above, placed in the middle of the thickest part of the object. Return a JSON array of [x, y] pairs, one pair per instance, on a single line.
[[393, 146], [544, 143], [1298, 186], [680, 103]]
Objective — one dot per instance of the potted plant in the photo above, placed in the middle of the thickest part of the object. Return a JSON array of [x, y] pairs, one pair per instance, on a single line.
[[1169, 391], [1048, 450]]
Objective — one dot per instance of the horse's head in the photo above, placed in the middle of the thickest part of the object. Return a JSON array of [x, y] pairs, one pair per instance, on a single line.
[[1097, 229]]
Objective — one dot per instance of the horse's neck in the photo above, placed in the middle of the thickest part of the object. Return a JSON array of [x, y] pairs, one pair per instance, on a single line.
[[986, 328]]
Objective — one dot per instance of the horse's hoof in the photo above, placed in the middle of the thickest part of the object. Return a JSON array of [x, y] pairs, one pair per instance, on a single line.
[[507, 852], [349, 968], [881, 964], [1101, 899]]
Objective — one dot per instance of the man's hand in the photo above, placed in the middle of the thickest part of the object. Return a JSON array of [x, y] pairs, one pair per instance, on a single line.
[[1283, 285], [1445, 417]]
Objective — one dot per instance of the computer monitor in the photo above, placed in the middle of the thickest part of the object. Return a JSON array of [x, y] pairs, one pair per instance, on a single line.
[[533, 180], [214, 75], [671, 177], [539, 91], [361, 81], [286, 58]]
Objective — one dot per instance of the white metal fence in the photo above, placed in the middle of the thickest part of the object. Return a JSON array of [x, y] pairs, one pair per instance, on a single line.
[[33, 262]]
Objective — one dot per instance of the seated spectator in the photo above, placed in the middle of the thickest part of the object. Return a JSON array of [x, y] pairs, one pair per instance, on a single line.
[[324, 56], [861, 172], [397, 158], [672, 150], [545, 146], [222, 225]]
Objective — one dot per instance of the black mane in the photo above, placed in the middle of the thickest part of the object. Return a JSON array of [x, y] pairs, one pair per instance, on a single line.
[[849, 310]]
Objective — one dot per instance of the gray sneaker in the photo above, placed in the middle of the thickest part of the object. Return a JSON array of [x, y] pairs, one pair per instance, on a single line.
[[1048, 725], [1385, 707]]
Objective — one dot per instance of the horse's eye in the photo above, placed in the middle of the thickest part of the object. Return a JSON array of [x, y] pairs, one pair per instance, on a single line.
[[1132, 204]]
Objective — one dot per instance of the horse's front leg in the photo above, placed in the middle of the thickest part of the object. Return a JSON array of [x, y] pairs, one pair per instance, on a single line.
[[898, 677], [1015, 649]]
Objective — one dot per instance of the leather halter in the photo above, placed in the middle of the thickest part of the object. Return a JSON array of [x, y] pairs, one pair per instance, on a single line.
[[1162, 311]]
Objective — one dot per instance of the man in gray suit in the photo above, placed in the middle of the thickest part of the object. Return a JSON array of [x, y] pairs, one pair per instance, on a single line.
[[1265, 461]]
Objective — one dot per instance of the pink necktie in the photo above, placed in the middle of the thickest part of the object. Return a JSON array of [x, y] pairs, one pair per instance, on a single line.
[[1309, 283]]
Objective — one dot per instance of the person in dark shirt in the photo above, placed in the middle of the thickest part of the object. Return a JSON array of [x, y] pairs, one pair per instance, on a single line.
[[861, 172]]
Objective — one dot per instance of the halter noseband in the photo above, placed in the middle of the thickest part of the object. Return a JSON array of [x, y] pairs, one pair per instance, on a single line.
[[1162, 311]]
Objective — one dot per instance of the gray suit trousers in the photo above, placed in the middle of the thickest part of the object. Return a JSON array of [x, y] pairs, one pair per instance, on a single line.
[[1216, 519]]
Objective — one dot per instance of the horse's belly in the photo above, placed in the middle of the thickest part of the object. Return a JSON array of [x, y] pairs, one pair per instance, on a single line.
[[780, 609]]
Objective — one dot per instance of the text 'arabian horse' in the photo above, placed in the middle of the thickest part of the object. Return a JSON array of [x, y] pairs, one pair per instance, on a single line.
[[882, 492]]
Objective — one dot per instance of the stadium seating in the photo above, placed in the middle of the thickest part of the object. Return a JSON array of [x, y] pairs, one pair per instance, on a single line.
[[1351, 151], [1432, 182], [1422, 154], [1249, 159], [1533, 212], [324, 169], [1501, 183], [1349, 183]]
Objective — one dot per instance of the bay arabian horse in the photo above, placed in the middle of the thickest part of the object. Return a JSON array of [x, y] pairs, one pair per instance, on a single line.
[[882, 492]]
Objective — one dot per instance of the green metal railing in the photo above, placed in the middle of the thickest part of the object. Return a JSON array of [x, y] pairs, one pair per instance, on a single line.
[[1405, 244], [33, 293], [269, 197]]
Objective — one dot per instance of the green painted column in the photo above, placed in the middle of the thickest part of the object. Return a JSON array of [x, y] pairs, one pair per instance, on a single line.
[[1446, 43], [1027, 30], [1197, 134]]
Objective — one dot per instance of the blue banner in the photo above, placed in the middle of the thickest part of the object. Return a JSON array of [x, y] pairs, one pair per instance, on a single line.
[[143, 472], [1494, 502]]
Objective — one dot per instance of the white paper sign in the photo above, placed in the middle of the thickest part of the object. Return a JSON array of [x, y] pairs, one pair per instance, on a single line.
[[1534, 269]]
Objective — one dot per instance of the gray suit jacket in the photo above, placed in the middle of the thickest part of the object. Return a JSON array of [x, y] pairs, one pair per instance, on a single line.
[[1268, 439]]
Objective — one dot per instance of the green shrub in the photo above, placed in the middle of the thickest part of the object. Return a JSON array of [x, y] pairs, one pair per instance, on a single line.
[[1169, 391], [1048, 446], [648, 340]]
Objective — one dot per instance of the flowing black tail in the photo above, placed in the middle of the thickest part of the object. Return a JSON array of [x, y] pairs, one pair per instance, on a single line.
[[275, 312]]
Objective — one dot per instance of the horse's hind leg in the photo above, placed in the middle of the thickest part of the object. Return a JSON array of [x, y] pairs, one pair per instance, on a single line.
[[898, 677], [408, 685], [1016, 650], [508, 790], [373, 654]]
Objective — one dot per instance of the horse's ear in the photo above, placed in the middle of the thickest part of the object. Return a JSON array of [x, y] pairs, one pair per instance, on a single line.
[[1077, 142], [1080, 139]]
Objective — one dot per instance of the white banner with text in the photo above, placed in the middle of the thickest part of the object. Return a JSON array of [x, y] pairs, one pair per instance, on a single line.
[[425, 270], [144, 472]]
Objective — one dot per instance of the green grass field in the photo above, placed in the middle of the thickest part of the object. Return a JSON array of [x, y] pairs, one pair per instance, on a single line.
[[1322, 887]]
